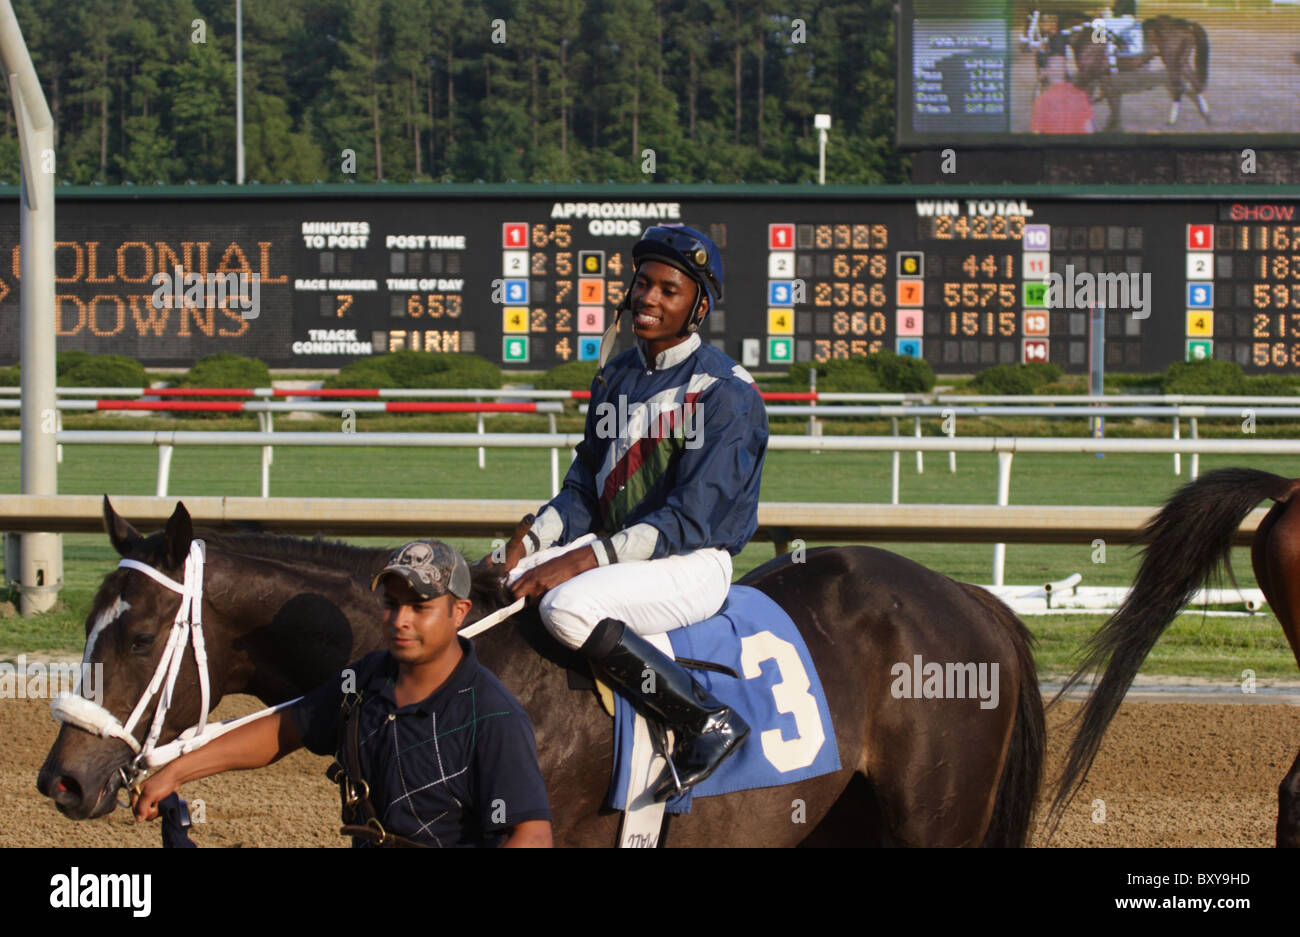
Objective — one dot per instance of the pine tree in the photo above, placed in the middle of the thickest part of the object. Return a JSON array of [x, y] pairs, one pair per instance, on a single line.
[[412, 28], [204, 123], [350, 107]]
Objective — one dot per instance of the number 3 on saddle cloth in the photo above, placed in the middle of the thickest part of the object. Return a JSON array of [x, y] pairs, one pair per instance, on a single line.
[[778, 694]]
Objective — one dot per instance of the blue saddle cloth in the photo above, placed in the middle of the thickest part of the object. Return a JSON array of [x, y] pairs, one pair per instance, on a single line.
[[791, 737]]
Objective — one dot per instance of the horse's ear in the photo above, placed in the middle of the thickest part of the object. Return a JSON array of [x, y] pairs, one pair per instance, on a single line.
[[121, 534], [180, 531]]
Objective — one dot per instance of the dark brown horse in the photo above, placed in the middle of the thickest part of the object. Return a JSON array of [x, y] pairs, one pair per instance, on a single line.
[[282, 615], [1187, 543], [1181, 45]]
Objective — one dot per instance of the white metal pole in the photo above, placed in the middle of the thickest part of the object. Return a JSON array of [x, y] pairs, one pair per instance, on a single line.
[[893, 478], [239, 92], [555, 458], [264, 424], [40, 565], [1004, 498], [812, 388], [1196, 456], [821, 160], [952, 434], [164, 470], [1178, 456]]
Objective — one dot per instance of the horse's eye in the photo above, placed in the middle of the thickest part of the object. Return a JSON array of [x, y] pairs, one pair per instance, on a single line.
[[141, 642]]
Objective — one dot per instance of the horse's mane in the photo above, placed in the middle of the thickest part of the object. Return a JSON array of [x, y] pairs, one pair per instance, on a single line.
[[487, 589], [333, 554]]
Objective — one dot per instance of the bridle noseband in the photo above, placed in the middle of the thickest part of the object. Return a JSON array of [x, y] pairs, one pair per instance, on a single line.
[[75, 709]]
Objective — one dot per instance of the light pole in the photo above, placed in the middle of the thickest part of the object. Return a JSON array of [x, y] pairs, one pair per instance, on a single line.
[[37, 564], [823, 123], [239, 92]]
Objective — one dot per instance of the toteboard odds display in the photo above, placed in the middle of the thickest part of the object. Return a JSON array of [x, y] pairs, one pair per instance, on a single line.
[[529, 276]]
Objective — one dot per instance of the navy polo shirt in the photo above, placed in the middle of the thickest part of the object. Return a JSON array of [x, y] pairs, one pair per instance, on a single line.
[[457, 768]]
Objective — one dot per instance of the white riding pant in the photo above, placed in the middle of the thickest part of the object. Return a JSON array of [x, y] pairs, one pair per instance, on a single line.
[[649, 596]]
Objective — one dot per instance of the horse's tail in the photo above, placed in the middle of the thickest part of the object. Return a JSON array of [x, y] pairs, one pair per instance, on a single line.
[[1013, 807], [1188, 541], [1202, 56]]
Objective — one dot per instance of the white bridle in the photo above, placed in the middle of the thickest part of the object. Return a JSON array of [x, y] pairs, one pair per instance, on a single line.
[[75, 709]]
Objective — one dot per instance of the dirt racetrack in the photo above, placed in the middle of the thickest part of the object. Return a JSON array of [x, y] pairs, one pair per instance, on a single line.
[[1170, 774]]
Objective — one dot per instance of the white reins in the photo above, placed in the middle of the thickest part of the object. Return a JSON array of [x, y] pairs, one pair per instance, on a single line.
[[75, 709]]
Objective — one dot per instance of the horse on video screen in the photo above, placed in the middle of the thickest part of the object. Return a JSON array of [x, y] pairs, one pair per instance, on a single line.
[[1188, 541], [1181, 45], [281, 615]]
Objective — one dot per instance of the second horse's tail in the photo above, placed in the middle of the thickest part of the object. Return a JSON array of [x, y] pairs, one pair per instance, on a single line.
[[1188, 541]]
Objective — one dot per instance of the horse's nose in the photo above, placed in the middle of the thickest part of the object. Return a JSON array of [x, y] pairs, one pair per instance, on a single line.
[[67, 790], [64, 789]]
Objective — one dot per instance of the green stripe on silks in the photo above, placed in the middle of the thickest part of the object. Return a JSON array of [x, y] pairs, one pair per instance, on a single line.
[[643, 479]]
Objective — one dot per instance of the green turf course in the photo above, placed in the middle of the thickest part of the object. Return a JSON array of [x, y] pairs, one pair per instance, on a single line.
[[1218, 648]]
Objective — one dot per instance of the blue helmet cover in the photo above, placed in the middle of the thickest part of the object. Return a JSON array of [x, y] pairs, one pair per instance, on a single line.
[[672, 245]]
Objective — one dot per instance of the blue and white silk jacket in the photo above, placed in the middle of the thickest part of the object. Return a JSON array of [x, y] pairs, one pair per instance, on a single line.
[[671, 461]]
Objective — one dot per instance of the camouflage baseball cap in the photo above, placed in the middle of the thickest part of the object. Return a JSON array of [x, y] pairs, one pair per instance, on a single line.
[[431, 567]]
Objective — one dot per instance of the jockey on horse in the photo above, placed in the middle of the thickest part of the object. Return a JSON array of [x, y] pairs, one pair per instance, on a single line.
[[663, 492], [1124, 30]]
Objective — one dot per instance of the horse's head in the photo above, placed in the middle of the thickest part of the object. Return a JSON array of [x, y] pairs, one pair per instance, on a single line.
[[127, 630]]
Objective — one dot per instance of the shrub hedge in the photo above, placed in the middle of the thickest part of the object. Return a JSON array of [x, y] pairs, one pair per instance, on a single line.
[[884, 371], [102, 371], [572, 375], [1204, 377], [1011, 379], [82, 369], [418, 369], [226, 370]]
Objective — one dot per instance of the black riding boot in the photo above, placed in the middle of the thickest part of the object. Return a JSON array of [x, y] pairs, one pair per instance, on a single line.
[[707, 730]]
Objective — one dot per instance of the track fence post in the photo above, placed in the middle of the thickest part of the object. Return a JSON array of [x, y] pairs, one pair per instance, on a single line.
[[481, 460], [555, 457], [1004, 498], [896, 462], [164, 470], [1178, 456], [920, 456]]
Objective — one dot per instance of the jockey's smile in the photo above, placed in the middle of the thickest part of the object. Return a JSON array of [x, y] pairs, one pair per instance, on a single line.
[[662, 297]]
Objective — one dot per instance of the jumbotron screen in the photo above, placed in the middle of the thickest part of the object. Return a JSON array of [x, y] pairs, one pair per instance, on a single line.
[[964, 278], [1113, 72]]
